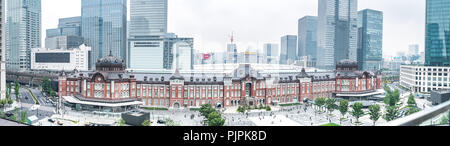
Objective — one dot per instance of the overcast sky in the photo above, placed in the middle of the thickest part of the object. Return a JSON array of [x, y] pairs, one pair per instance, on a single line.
[[255, 22]]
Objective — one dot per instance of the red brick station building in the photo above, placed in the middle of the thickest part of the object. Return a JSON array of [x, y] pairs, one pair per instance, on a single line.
[[111, 88]]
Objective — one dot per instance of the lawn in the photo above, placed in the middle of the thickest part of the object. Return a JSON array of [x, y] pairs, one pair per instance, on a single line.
[[331, 124]]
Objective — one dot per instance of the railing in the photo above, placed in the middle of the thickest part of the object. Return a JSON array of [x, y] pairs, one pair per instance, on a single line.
[[419, 118]]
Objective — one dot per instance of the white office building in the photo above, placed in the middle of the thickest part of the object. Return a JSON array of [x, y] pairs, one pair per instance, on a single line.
[[2, 51], [183, 56], [424, 79], [58, 59]]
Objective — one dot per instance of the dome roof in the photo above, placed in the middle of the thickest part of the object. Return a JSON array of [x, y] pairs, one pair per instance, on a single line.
[[110, 61]]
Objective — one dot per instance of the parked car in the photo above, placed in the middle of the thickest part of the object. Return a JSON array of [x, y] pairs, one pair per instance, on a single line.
[[51, 120], [60, 123], [161, 122], [9, 114]]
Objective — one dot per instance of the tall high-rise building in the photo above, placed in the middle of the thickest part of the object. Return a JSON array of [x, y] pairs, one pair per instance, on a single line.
[[70, 26], [413, 50], [370, 39], [184, 56], [2, 51], [307, 37], [271, 53], [437, 35], [288, 53], [148, 17], [169, 47], [232, 55], [23, 32], [103, 27], [337, 32], [148, 31], [66, 36]]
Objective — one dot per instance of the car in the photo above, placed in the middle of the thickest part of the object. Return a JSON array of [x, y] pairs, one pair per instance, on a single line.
[[60, 123], [9, 114], [161, 122], [51, 120], [26, 97]]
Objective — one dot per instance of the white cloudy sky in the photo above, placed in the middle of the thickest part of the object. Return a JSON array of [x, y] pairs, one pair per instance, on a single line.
[[255, 22]]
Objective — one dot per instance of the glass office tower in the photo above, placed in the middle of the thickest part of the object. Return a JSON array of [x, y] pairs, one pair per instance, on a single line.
[[103, 27], [437, 35], [288, 52], [307, 37], [370, 39], [23, 32], [337, 32], [148, 29], [2, 51]]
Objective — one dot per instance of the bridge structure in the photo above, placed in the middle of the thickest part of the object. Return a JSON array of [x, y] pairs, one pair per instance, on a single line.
[[32, 78]]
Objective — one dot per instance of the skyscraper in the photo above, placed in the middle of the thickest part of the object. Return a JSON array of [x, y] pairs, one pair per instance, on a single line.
[[103, 27], [337, 32], [148, 17], [271, 53], [23, 32], [370, 39], [307, 37], [70, 26], [148, 30], [437, 35], [2, 51], [288, 53]]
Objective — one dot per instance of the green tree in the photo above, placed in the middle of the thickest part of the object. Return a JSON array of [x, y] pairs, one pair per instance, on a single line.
[[374, 112], [320, 102], [16, 90], [206, 109], [357, 110], [396, 95], [392, 113], [343, 107], [411, 100], [10, 101], [213, 115], [217, 122], [330, 104], [2, 102], [146, 123], [23, 117], [241, 109], [121, 122], [411, 110], [268, 108]]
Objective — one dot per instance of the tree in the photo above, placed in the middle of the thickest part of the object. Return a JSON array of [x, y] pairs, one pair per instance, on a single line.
[[206, 109], [213, 115], [392, 113], [121, 122], [374, 112], [146, 123], [411, 100], [2, 102], [16, 90], [10, 101], [343, 107], [320, 102], [331, 105], [268, 108], [216, 122], [411, 110], [241, 109], [396, 95], [23, 117], [357, 110]]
